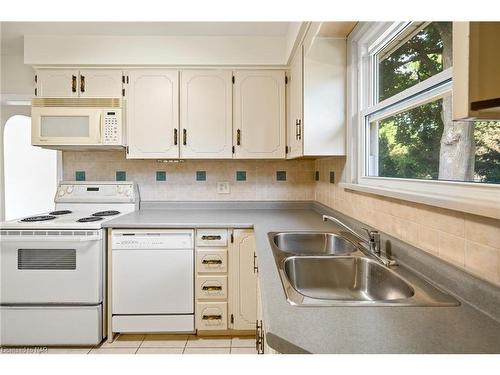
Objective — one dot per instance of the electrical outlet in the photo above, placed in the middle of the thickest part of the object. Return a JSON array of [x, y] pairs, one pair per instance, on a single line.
[[223, 187]]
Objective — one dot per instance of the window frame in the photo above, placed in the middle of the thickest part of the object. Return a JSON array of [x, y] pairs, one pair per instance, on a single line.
[[366, 40]]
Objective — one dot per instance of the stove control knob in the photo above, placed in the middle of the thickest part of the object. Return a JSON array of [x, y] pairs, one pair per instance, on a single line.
[[129, 193], [69, 189], [61, 192]]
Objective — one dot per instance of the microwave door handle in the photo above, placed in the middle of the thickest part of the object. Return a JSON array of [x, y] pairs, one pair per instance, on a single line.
[[100, 128]]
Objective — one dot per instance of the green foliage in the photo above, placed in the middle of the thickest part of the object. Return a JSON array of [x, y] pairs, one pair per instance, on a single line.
[[416, 60], [487, 136], [409, 145]]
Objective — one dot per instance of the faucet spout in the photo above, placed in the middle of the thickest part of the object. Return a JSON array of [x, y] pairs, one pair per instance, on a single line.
[[372, 243]]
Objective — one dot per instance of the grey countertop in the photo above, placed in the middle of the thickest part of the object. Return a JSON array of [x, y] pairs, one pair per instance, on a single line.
[[293, 329]]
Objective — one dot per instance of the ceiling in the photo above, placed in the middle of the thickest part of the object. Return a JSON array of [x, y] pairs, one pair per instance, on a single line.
[[12, 32], [336, 29]]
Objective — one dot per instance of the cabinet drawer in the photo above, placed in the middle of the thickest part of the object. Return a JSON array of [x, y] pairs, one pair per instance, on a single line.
[[211, 316], [211, 237], [211, 287], [213, 260]]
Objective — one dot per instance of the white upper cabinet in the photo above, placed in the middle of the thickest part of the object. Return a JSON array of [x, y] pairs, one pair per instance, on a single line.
[[259, 114], [100, 83], [317, 96], [153, 114], [67, 83], [57, 83], [294, 97], [206, 114]]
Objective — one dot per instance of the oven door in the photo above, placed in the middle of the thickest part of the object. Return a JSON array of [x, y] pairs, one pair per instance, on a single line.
[[51, 267], [66, 126]]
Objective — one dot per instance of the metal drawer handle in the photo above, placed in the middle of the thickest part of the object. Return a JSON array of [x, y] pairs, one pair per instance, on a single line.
[[238, 137], [211, 287], [82, 83], [212, 317], [175, 137], [211, 238], [211, 261], [73, 83]]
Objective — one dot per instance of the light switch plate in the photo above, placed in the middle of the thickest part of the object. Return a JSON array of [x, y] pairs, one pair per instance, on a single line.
[[223, 187]]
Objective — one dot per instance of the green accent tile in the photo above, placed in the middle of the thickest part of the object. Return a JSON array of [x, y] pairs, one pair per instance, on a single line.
[[161, 176], [201, 175], [80, 175], [316, 176], [241, 175], [280, 175], [332, 177], [121, 176]]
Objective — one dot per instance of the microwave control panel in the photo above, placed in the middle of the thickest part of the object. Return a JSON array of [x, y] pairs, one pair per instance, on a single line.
[[112, 128]]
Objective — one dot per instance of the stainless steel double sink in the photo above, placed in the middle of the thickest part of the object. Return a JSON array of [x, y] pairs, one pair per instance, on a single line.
[[331, 269]]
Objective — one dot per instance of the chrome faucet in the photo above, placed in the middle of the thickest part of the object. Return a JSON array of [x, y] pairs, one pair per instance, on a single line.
[[372, 243]]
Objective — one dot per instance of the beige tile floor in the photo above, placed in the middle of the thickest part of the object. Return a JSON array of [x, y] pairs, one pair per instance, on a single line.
[[161, 344]]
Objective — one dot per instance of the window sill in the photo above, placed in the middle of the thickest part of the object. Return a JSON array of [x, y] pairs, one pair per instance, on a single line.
[[482, 201]]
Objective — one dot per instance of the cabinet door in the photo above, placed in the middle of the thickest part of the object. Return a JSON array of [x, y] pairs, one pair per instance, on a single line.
[[153, 114], [243, 280], [294, 118], [100, 83], [259, 114], [57, 83], [206, 114]]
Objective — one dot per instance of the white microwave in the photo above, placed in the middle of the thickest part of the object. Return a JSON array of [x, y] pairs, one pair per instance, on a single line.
[[77, 122]]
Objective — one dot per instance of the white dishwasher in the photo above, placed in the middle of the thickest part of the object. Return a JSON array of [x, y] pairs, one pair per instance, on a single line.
[[152, 280]]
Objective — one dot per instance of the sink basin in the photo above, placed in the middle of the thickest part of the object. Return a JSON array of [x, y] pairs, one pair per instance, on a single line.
[[304, 243], [353, 279]]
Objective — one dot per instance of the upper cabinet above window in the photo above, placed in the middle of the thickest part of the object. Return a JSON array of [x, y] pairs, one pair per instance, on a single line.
[[476, 71], [73, 83]]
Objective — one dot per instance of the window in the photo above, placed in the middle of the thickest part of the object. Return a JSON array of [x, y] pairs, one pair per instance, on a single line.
[[402, 140], [30, 172], [416, 54], [410, 130]]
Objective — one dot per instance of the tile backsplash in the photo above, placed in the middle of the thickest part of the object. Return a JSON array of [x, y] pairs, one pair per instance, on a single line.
[[469, 241], [194, 180]]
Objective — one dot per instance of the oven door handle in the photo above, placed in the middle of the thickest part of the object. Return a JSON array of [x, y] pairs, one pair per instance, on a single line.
[[6, 239]]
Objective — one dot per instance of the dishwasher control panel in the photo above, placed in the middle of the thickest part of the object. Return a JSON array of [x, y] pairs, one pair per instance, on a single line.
[[152, 239]]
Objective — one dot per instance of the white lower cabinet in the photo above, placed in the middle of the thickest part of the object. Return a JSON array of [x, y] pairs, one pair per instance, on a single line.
[[211, 260], [211, 316], [226, 282], [211, 287], [243, 280]]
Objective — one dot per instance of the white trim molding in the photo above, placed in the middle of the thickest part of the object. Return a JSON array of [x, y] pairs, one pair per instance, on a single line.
[[365, 40]]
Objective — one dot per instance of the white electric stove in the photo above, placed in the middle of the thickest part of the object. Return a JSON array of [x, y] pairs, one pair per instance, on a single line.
[[53, 266]]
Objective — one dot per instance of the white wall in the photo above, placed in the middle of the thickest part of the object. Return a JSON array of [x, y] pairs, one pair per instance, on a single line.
[[30, 172], [16, 77], [154, 50]]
